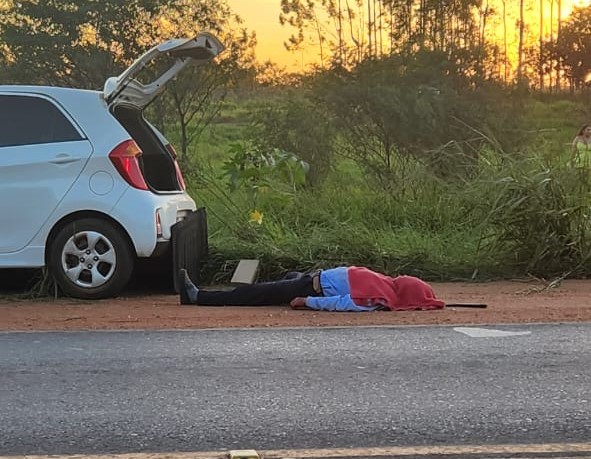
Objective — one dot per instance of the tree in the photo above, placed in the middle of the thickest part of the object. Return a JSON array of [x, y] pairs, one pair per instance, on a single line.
[[76, 44], [298, 125], [573, 47], [443, 25], [302, 14], [80, 44], [404, 109], [193, 100]]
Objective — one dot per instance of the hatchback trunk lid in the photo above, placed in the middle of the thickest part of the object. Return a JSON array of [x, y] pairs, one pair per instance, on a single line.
[[126, 89]]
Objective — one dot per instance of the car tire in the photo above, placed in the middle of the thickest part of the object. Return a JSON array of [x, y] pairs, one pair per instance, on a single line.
[[90, 259]]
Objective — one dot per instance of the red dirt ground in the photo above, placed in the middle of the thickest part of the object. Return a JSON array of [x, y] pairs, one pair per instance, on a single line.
[[508, 302]]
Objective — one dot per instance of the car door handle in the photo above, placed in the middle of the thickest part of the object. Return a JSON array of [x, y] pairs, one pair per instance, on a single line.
[[64, 159]]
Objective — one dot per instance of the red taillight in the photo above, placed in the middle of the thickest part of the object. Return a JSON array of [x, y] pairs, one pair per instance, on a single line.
[[125, 158], [179, 175]]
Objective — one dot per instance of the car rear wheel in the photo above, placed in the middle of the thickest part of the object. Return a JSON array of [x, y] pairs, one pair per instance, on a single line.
[[91, 259]]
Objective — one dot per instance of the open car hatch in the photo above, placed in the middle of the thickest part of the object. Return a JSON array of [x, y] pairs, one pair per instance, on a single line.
[[125, 89]]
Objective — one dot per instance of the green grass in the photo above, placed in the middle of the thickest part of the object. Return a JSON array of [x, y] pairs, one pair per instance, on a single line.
[[477, 228], [553, 124]]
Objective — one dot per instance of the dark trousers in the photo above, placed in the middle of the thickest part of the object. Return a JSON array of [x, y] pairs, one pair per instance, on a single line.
[[262, 294]]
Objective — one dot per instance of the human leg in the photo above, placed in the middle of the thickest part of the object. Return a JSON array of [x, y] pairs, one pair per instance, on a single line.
[[262, 294], [188, 291]]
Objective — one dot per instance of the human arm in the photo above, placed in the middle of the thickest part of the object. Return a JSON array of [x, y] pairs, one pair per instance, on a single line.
[[339, 303], [298, 303]]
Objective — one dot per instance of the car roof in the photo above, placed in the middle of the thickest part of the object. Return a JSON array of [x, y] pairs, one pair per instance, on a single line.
[[54, 91], [86, 108]]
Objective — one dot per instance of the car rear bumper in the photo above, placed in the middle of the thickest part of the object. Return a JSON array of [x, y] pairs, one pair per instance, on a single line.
[[149, 218]]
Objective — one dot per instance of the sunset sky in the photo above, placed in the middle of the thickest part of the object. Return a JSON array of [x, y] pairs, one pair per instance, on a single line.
[[262, 16]]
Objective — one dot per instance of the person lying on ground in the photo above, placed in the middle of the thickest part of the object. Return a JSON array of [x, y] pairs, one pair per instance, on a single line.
[[338, 289]]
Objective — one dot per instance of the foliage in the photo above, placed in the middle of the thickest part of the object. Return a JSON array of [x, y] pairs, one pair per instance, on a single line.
[[397, 111], [190, 102], [520, 211], [260, 168], [301, 126], [194, 99], [274, 173], [372, 29], [325, 227], [573, 48], [536, 212], [80, 44], [59, 42]]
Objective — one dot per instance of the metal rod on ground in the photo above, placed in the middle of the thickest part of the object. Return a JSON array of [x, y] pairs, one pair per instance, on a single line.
[[466, 305]]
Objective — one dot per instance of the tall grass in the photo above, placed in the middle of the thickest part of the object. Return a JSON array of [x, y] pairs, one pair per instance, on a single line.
[[432, 235], [514, 213], [537, 212]]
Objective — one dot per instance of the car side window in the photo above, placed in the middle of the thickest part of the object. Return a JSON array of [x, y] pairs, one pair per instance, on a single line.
[[29, 120]]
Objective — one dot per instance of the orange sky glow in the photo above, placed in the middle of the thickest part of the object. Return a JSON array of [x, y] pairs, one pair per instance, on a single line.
[[262, 16]]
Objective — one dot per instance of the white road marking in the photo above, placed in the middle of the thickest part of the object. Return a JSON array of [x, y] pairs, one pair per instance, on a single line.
[[489, 332]]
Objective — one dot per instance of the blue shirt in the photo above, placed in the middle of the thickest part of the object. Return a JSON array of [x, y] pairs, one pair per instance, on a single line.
[[336, 293]]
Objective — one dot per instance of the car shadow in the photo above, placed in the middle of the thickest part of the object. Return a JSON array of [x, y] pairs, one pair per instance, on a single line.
[[150, 278], [147, 279], [18, 281]]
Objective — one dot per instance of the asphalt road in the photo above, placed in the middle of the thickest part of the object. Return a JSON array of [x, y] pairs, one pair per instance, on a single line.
[[157, 391]]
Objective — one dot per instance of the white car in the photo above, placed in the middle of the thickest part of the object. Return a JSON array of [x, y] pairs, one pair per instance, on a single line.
[[87, 185]]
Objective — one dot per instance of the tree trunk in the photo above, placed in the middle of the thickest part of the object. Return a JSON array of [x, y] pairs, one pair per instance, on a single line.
[[422, 23], [550, 82], [505, 50], [356, 38], [441, 25], [369, 27], [482, 38], [381, 28], [320, 35], [558, 66], [540, 59], [520, 46], [340, 22], [375, 29], [409, 18]]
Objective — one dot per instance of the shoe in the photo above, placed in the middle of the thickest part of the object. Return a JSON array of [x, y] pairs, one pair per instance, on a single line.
[[187, 290]]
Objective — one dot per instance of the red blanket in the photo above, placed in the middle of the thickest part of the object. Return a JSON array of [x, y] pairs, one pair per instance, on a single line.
[[401, 293]]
